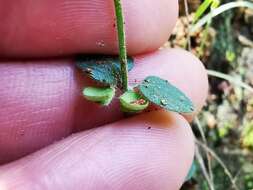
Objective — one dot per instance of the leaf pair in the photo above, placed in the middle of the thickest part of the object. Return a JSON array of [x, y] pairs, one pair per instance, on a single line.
[[130, 101], [106, 70]]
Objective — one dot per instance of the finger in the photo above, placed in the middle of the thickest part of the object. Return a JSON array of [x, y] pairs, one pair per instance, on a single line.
[[147, 152], [53, 28], [41, 102]]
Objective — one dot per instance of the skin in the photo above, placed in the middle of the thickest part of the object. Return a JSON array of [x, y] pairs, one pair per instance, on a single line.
[[51, 137]]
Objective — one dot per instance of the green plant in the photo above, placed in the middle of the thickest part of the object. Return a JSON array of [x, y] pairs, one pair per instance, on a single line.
[[212, 4], [204, 6], [219, 10], [112, 73], [247, 135], [215, 174]]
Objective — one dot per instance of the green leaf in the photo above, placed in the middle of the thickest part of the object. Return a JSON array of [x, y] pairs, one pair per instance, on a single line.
[[165, 95], [230, 56], [215, 4], [132, 102], [104, 69], [201, 9], [191, 172], [247, 135], [102, 96]]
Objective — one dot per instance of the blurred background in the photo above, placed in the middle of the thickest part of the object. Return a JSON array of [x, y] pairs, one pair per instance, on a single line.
[[220, 33]]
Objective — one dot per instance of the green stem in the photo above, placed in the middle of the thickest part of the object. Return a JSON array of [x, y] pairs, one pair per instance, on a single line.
[[122, 43], [220, 10]]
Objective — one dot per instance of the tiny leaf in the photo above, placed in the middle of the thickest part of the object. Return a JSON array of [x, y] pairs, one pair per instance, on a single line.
[[103, 96], [132, 102], [165, 95], [104, 69]]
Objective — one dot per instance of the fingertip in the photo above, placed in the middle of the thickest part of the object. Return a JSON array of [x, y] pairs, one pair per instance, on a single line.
[[123, 155], [70, 27], [149, 24]]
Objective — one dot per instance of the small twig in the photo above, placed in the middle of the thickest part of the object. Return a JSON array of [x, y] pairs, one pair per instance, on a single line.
[[188, 24], [230, 79], [122, 43], [216, 157], [209, 161], [209, 179], [197, 122], [245, 41], [203, 168], [237, 175], [204, 39]]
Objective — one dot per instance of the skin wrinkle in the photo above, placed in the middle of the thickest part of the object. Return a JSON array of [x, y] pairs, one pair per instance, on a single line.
[[148, 36], [144, 164], [25, 103], [52, 154], [68, 146], [55, 154], [70, 14], [70, 27]]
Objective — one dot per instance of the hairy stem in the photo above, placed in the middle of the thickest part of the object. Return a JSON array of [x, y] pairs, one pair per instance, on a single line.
[[122, 43]]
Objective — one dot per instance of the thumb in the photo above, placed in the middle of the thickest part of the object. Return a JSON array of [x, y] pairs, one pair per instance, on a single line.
[[147, 152]]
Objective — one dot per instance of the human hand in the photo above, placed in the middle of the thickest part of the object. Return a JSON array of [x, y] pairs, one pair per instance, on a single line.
[[41, 99]]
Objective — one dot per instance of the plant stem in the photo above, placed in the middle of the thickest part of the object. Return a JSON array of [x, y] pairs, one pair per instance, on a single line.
[[186, 8], [217, 158], [122, 43], [209, 161], [203, 168]]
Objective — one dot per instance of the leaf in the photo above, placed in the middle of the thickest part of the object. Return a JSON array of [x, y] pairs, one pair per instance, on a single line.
[[104, 69], [215, 4], [132, 102], [165, 95], [191, 172], [247, 135], [201, 9], [103, 96]]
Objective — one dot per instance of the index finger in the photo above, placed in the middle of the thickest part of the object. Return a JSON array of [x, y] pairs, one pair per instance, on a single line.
[[41, 102], [60, 27]]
